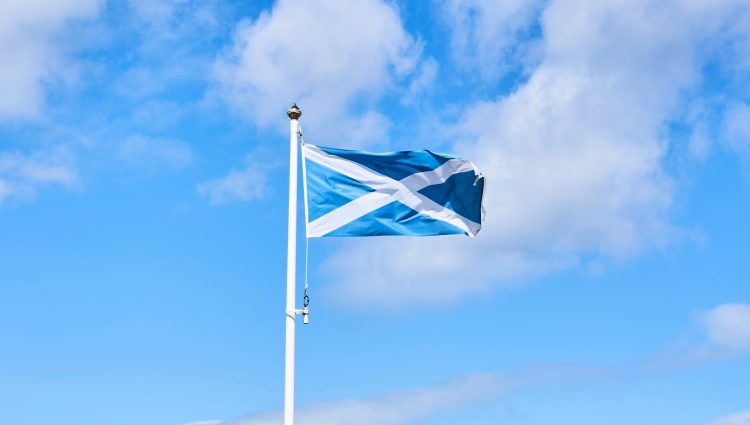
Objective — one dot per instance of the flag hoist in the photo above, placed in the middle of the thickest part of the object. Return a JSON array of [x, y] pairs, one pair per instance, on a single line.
[[357, 193]]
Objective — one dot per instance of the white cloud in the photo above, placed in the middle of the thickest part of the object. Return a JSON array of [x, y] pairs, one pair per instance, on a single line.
[[334, 58], [737, 128], [154, 12], [400, 272], [168, 19], [420, 404], [140, 150], [21, 175], [187, 30], [31, 54], [395, 408], [422, 81], [486, 34], [728, 326], [735, 419], [246, 184], [573, 158]]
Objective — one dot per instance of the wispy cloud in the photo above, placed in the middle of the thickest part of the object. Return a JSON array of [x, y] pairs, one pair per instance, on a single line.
[[415, 405], [482, 389], [488, 36], [422, 82], [185, 29], [742, 418], [720, 334], [140, 150], [22, 175], [736, 129], [395, 408], [107, 116], [239, 185]]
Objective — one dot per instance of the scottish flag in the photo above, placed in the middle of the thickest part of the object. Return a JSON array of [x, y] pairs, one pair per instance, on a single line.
[[414, 193]]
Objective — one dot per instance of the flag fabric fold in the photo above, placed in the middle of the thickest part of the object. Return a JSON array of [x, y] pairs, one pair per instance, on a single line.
[[413, 193]]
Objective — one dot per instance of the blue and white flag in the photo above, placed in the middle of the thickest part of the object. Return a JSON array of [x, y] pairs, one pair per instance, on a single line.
[[414, 193]]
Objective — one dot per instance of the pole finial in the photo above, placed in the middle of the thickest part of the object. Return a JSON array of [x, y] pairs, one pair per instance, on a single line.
[[294, 112]]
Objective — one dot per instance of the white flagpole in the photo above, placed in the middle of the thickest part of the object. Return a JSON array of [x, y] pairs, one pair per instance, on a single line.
[[291, 264]]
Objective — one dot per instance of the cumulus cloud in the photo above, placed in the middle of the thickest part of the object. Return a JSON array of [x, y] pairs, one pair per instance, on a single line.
[[239, 185], [31, 54], [735, 419], [21, 175], [728, 326], [574, 157], [334, 58]]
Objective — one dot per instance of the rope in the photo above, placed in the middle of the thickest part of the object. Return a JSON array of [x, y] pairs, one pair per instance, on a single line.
[[299, 133], [305, 297]]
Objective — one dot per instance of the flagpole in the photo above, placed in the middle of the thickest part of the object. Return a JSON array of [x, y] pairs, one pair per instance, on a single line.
[[291, 264]]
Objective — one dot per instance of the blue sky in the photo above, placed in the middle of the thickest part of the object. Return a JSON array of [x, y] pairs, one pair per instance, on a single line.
[[143, 149]]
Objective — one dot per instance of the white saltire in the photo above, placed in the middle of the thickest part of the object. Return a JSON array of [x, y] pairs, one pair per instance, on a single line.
[[386, 191]]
